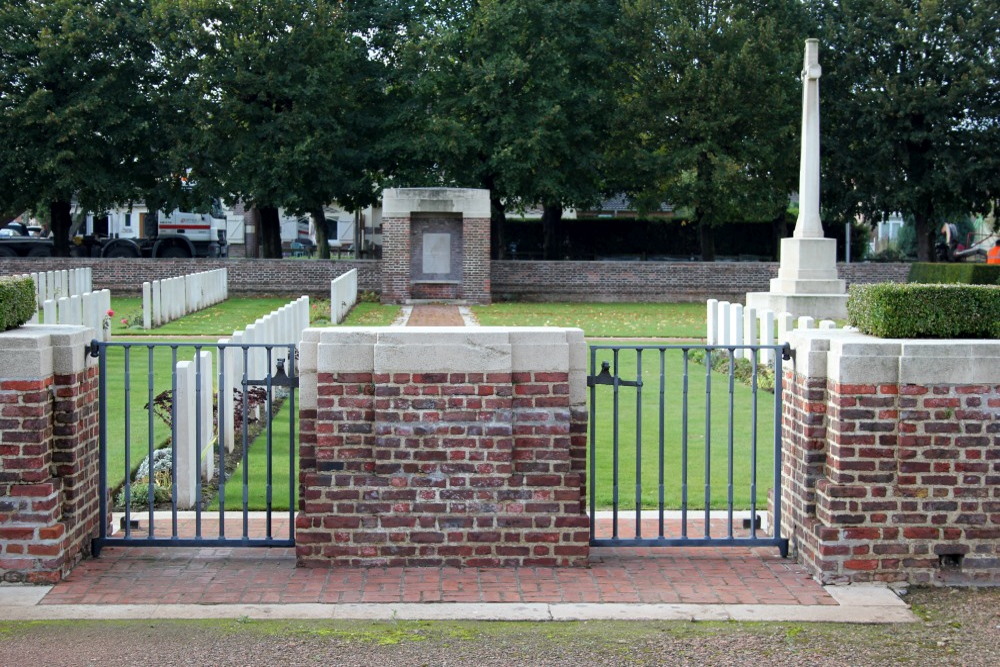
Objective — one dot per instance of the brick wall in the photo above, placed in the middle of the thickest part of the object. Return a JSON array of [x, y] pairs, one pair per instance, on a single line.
[[473, 466], [49, 503], [655, 281], [246, 276], [891, 473], [528, 280], [395, 276]]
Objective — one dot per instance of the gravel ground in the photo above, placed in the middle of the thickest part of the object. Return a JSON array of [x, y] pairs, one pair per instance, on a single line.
[[958, 627]]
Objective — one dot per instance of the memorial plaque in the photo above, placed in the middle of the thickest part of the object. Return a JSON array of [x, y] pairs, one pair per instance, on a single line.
[[437, 253]]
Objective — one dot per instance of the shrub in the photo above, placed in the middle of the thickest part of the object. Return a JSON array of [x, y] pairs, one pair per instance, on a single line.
[[963, 274], [17, 302], [892, 310]]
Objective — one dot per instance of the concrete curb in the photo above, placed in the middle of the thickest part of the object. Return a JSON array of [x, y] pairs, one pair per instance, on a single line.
[[860, 604]]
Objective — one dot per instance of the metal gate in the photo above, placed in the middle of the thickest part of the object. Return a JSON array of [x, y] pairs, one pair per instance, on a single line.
[[193, 449], [673, 463]]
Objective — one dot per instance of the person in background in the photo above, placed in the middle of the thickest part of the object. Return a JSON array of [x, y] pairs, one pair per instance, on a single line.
[[993, 256]]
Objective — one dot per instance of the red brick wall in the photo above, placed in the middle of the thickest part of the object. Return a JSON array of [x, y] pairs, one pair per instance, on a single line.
[[395, 278], [893, 482], [538, 281], [48, 474], [655, 281], [476, 266], [463, 469]]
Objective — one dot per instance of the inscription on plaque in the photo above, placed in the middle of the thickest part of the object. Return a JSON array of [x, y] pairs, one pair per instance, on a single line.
[[437, 253]]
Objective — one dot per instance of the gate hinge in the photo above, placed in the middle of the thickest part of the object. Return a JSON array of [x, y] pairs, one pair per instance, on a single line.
[[605, 377], [92, 349], [279, 379]]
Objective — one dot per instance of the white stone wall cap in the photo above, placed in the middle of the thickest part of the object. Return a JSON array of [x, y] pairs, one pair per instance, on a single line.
[[402, 202]]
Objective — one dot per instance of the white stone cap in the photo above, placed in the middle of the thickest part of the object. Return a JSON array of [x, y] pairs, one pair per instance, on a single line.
[[402, 202], [444, 349], [36, 351], [850, 357]]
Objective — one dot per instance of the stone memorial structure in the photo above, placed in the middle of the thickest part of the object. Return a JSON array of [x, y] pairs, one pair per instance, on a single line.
[[436, 245], [807, 282]]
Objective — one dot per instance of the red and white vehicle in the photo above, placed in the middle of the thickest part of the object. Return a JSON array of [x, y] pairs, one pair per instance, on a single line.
[[178, 234]]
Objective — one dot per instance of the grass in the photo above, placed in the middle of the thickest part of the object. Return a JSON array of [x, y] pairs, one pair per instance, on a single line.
[[222, 319], [639, 451], [602, 320], [256, 469]]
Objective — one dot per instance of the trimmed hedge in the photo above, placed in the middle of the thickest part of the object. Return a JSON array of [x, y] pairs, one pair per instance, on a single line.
[[893, 310], [17, 302], [961, 273]]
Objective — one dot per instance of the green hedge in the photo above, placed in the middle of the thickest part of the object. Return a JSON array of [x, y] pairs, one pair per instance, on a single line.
[[892, 310], [17, 302], [961, 273]]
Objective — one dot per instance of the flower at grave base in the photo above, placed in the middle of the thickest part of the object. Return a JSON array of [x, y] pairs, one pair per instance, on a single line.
[[111, 313], [125, 320]]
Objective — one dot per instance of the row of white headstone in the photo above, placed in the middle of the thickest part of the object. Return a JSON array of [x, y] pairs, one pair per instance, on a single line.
[[54, 285], [343, 295], [243, 356], [732, 324], [172, 298], [91, 309]]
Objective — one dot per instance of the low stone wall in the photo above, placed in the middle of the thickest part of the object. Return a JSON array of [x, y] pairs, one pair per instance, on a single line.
[[442, 446], [49, 501], [891, 458], [527, 280]]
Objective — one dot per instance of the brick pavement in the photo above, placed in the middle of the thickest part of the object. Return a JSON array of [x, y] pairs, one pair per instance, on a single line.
[[214, 575]]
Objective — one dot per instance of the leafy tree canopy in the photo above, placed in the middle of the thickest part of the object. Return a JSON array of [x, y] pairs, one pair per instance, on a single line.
[[714, 107], [911, 103], [78, 118]]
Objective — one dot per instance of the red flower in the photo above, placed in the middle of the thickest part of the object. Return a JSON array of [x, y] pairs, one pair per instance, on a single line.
[[111, 313]]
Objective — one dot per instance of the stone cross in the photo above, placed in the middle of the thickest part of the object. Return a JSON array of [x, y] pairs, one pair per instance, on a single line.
[[808, 225]]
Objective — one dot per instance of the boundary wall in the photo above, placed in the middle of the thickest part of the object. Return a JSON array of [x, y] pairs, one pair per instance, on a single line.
[[521, 280], [49, 503], [891, 458], [442, 446]]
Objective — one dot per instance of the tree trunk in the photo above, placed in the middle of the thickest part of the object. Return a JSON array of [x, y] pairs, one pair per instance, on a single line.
[[551, 215], [498, 219], [322, 238], [706, 236], [270, 232], [62, 220], [926, 235]]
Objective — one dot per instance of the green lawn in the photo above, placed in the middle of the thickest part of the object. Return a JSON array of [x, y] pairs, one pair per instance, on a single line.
[[222, 319], [252, 477], [670, 395], [602, 320]]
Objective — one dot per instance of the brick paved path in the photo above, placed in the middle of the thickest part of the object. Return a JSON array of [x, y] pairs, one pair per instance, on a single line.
[[146, 575]]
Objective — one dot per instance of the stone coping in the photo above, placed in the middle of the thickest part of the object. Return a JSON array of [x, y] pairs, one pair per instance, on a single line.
[[35, 351], [850, 357]]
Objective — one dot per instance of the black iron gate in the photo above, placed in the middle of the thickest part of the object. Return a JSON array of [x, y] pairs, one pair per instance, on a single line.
[[193, 444], [671, 463]]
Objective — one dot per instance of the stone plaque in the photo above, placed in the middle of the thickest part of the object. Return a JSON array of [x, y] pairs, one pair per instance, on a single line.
[[437, 253]]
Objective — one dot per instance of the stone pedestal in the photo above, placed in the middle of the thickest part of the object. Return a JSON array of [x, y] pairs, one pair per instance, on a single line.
[[807, 282], [436, 245]]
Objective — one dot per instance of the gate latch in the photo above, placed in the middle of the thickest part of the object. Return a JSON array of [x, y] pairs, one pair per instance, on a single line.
[[605, 377], [279, 379]]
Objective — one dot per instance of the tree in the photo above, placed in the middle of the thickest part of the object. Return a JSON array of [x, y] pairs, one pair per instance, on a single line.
[[516, 97], [284, 99], [78, 116], [713, 108], [911, 102]]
